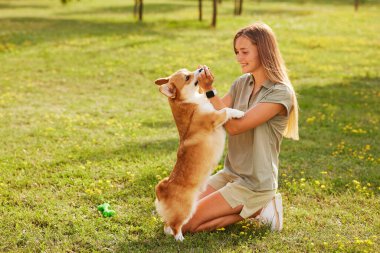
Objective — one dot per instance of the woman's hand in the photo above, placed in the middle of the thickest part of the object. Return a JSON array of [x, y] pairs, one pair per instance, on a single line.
[[205, 78]]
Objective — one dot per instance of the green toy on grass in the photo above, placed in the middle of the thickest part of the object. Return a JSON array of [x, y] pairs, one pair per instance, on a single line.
[[106, 211]]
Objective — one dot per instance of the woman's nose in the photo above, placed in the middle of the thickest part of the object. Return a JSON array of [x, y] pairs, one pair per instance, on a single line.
[[238, 57]]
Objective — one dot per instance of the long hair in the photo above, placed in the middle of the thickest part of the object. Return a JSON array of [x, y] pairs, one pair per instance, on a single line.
[[264, 38]]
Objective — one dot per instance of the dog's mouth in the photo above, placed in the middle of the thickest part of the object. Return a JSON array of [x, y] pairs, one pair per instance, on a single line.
[[197, 72]]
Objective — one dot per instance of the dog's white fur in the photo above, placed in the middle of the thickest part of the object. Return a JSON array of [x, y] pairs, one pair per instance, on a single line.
[[201, 145]]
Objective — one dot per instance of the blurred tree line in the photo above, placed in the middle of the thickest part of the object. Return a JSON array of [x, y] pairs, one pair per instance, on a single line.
[[138, 8]]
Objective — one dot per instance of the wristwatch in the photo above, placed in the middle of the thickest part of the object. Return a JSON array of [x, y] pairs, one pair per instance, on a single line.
[[211, 93]]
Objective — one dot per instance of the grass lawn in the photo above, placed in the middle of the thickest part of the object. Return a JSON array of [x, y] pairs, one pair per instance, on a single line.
[[82, 123]]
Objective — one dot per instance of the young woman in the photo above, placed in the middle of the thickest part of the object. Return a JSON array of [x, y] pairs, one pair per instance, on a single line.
[[246, 186]]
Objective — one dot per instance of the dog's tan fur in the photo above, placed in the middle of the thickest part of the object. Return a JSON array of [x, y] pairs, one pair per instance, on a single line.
[[201, 144]]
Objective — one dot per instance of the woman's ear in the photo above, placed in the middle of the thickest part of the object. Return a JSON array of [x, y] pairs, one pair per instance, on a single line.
[[168, 90]]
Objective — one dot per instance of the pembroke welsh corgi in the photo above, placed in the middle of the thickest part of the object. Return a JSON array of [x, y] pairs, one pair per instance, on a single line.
[[201, 145]]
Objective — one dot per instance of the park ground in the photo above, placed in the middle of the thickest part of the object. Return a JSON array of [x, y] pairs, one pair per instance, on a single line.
[[82, 123]]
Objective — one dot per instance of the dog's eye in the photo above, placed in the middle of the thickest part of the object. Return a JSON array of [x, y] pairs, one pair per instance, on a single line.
[[187, 78]]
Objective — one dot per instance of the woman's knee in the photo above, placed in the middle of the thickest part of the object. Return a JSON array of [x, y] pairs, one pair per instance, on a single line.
[[190, 227]]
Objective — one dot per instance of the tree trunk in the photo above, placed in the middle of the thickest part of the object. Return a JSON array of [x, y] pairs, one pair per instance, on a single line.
[[135, 8], [240, 7], [141, 10], [236, 10], [214, 13], [356, 5], [200, 9]]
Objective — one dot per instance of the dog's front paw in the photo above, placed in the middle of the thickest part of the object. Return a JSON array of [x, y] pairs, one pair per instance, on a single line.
[[233, 113]]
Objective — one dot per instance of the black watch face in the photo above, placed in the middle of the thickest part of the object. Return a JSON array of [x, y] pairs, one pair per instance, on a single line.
[[210, 94]]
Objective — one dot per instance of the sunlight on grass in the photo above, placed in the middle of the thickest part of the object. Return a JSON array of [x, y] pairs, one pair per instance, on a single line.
[[82, 123]]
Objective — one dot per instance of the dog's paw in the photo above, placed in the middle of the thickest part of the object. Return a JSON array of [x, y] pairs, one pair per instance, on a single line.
[[168, 230], [233, 113], [179, 237]]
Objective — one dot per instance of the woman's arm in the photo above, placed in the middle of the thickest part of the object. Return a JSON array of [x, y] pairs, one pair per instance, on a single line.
[[220, 103], [257, 115]]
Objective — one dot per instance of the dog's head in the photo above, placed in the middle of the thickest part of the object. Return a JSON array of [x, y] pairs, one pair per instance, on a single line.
[[181, 85]]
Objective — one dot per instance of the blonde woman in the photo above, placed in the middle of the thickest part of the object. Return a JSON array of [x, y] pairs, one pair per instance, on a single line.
[[246, 186]]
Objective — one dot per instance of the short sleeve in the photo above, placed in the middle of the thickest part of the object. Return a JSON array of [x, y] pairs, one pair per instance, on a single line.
[[280, 94]]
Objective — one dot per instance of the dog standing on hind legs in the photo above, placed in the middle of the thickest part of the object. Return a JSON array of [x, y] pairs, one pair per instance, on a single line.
[[201, 145]]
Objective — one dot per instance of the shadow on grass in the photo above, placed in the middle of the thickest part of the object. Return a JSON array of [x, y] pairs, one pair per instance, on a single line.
[[281, 12], [32, 31], [214, 241], [331, 115], [22, 6], [319, 2], [130, 151], [149, 8]]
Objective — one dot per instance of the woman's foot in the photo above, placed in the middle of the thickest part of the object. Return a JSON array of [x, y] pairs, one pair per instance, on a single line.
[[272, 213]]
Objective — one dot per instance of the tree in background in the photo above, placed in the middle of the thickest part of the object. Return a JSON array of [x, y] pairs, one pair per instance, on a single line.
[[214, 13], [356, 5], [138, 8], [66, 1], [200, 9], [238, 7]]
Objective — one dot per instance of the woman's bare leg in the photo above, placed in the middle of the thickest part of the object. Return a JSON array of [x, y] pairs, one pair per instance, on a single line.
[[208, 191], [212, 210], [218, 223]]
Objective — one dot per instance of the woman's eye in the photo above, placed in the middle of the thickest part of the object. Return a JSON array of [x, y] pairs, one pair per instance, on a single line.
[[187, 78]]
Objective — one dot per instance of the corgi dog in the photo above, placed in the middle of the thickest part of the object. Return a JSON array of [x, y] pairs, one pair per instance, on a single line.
[[201, 145]]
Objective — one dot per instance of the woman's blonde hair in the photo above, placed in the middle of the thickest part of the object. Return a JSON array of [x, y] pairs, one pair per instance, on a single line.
[[264, 38]]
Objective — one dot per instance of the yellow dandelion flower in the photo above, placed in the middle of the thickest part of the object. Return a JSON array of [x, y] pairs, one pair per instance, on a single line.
[[310, 120]]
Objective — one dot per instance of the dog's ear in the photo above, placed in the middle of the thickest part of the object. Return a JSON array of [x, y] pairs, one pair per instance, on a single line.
[[161, 81], [168, 90]]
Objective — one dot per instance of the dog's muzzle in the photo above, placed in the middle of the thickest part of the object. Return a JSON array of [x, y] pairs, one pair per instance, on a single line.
[[196, 74]]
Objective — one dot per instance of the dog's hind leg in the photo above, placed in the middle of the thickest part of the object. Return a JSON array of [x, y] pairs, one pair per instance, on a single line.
[[168, 230], [176, 227], [179, 236]]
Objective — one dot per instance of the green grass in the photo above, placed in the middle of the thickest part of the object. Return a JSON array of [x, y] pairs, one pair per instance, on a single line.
[[82, 123]]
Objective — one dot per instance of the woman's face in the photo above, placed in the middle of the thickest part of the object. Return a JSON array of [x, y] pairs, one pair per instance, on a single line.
[[247, 55]]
